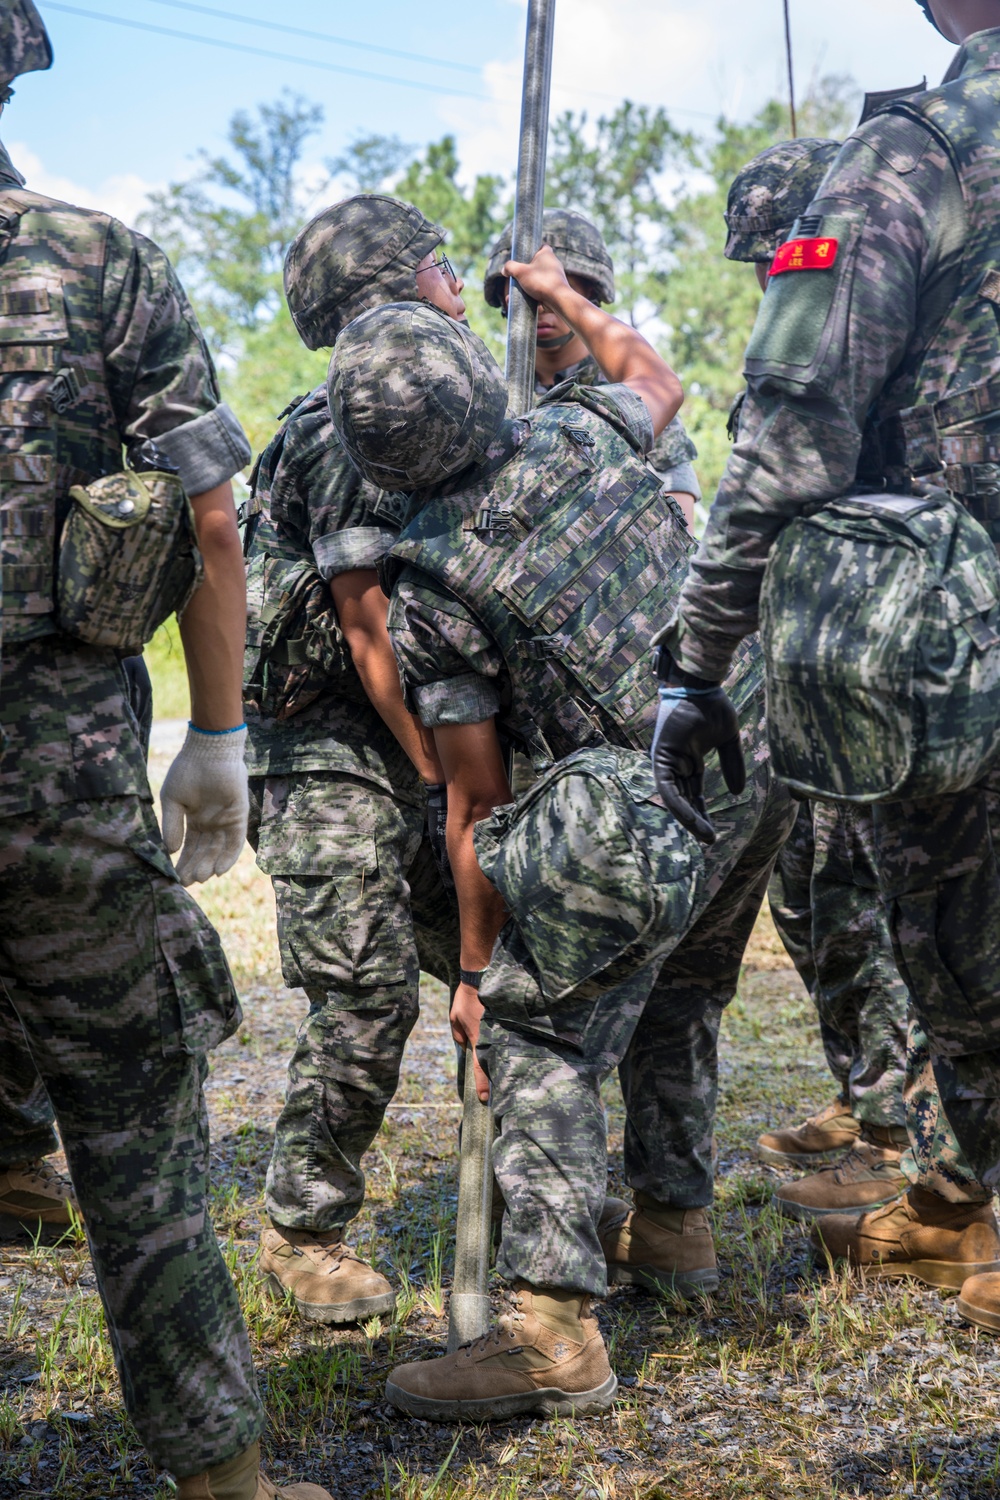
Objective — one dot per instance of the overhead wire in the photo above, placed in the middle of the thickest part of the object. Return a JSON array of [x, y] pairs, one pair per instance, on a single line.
[[308, 62], [316, 36], [315, 62]]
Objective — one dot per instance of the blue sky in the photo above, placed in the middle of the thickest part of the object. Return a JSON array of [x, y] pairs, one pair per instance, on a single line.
[[124, 110]]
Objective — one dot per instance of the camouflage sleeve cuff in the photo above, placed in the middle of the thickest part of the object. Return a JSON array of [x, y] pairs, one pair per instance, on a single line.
[[692, 654], [356, 547], [208, 450], [681, 479], [468, 699]]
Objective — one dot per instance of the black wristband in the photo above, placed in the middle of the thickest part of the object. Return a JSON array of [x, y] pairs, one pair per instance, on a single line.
[[473, 977]]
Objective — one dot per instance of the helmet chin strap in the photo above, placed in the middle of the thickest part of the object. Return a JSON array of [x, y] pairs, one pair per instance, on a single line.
[[559, 342], [927, 12]]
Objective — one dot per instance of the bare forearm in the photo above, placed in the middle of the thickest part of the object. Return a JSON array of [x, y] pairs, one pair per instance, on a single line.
[[362, 611], [623, 355], [379, 675], [213, 626], [480, 905]]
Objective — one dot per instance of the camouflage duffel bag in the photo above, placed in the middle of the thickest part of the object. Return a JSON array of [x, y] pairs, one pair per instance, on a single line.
[[599, 879], [295, 648], [128, 559], [880, 621]]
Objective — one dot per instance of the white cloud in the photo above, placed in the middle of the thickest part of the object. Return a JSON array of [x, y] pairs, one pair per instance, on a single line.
[[697, 58], [122, 194]]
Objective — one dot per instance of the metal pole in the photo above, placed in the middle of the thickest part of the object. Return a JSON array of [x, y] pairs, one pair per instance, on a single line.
[[791, 74], [529, 197], [469, 1306]]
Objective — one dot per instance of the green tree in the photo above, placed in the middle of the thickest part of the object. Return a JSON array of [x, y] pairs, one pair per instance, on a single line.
[[613, 173], [227, 228]]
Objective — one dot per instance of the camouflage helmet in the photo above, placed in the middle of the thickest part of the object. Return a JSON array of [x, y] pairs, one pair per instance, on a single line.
[[576, 241], [770, 193], [355, 255], [24, 43], [415, 397]]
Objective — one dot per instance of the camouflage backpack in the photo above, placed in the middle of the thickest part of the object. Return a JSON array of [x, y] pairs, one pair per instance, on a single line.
[[880, 619]]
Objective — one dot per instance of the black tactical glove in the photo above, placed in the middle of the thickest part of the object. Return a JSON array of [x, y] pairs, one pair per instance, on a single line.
[[694, 717], [437, 818]]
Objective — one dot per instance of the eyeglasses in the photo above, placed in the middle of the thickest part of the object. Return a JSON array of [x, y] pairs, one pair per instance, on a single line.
[[446, 267]]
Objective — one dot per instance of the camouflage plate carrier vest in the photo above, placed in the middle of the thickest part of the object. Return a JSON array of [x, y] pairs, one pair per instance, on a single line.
[[572, 555], [952, 429], [295, 649], [58, 427]]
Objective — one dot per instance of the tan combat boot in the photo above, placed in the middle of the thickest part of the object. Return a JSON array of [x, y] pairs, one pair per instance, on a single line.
[[325, 1277], [240, 1479], [546, 1355], [979, 1300], [868, 1176], [35, 1193], [662, 1249], [821, 1137], [919, 1235]]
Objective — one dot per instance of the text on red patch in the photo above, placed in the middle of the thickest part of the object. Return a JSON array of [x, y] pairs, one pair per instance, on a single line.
[[804, 255]]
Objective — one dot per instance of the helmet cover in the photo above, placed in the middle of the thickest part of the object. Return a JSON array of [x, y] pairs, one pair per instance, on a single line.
[[24, 43], [415, 397], [576, 241], [357, 254], [771, 192]]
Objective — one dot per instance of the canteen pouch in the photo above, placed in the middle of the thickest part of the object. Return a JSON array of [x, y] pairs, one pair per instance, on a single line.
[[880, 620], [599, 879], [128, 559], [295, 647]]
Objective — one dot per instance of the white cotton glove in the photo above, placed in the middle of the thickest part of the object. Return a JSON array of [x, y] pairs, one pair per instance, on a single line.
[[207, 785]]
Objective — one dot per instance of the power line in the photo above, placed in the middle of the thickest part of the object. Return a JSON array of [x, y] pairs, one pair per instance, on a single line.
[[308, 62], [313, 62], [316, 36]]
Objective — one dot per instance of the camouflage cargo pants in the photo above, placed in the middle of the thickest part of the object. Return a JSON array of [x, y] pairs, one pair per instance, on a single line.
[[361, 910], [939, 878], [120, 985], [26, 1116], [660, 1029], [826, 905]]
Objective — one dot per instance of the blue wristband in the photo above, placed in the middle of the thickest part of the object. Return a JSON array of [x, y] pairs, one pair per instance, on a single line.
[[215, 732], [685, 692]]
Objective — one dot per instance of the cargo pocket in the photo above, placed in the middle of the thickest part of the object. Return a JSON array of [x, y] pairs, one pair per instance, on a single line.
[[199, 1006], [339, 904]]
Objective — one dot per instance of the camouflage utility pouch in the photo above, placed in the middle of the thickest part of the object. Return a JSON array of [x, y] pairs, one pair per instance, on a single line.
[[128, 559], [295, 648], [880, 619], [598, 877]]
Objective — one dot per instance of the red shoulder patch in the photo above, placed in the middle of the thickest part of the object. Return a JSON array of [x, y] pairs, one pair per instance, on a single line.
[[804, 255]]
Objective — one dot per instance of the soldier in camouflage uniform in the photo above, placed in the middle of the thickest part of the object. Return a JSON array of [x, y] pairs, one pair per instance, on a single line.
[[879, 370], [560, 499], [560, 354], [340, 788], [116, 977], [824, 896]]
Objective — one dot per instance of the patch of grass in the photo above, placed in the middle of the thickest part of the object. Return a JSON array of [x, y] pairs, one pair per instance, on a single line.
[[789, 1383]]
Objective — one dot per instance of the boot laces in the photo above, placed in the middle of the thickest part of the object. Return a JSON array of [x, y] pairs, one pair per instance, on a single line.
[[44, 1175], [507, 1327]]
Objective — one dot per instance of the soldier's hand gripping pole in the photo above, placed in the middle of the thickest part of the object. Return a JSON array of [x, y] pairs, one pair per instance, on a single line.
[[469, 1308], [529, 198]]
